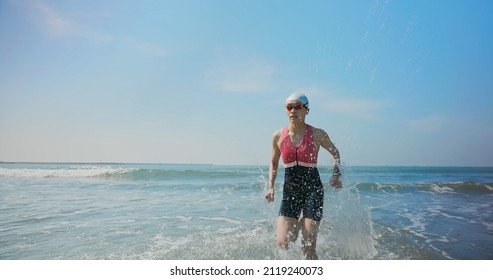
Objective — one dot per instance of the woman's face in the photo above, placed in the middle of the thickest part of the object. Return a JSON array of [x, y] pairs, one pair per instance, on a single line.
[[296, 111]]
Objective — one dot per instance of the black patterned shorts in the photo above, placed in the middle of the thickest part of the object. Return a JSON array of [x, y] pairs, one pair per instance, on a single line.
[[303, 193]]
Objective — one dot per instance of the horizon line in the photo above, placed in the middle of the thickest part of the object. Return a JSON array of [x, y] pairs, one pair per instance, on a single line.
[[222, 164]]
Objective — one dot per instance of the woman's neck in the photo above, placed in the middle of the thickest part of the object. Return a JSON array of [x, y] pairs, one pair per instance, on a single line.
[[296, 128]]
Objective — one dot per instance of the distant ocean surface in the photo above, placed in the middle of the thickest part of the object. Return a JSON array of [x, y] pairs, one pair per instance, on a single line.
[[210, 212]]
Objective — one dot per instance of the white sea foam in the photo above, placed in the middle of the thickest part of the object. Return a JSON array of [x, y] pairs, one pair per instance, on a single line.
[[489, 226], [439, 189], [66, 172]]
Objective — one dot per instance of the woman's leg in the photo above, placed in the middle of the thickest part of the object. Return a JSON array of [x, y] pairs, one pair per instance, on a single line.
[[287, 231], [310, 233]]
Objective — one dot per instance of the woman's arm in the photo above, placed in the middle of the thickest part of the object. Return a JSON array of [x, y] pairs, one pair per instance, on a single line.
[[327, 144], [274, 165]]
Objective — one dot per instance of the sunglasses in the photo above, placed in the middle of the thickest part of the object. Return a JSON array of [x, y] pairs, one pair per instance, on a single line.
[[290, 107]]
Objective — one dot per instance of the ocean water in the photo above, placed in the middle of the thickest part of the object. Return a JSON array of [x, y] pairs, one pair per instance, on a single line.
[[209, 212]]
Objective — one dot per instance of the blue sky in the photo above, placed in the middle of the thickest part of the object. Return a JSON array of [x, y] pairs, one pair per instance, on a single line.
[[392, 82]]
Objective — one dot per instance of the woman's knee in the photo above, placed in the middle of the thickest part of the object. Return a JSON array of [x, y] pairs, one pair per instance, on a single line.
[[282, 241], [287, 231]]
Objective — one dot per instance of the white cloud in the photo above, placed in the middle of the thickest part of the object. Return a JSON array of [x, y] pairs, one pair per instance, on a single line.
[[54, 24], [357, 107], [242, 76], [428, 124], [152, 49], [147, 48], [60, 26]]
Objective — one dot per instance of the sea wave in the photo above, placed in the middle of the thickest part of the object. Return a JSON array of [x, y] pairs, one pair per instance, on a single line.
[[67, 172], [440, 187], [126, 173]]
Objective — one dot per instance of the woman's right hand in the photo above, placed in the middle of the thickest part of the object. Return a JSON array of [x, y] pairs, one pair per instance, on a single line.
[[270, 195]]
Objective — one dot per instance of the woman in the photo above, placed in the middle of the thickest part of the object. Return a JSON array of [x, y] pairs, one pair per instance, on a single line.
[[303, 194]]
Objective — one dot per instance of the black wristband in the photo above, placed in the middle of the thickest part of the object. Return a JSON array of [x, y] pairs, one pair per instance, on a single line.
[[336, 173]]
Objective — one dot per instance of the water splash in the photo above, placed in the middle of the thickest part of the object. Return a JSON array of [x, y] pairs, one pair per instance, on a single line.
[[348, 232]]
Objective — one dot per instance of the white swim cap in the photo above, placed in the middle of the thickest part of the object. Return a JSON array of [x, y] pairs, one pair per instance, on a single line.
[[300, 97]]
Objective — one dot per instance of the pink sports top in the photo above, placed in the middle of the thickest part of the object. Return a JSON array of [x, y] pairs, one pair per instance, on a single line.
[[305, 154]]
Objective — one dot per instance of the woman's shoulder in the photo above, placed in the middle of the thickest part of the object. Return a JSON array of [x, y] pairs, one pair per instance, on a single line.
[[319, 133], [316, 129], [277, 134]]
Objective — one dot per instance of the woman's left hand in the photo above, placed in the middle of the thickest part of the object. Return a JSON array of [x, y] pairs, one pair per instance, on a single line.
[[335, 182]]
